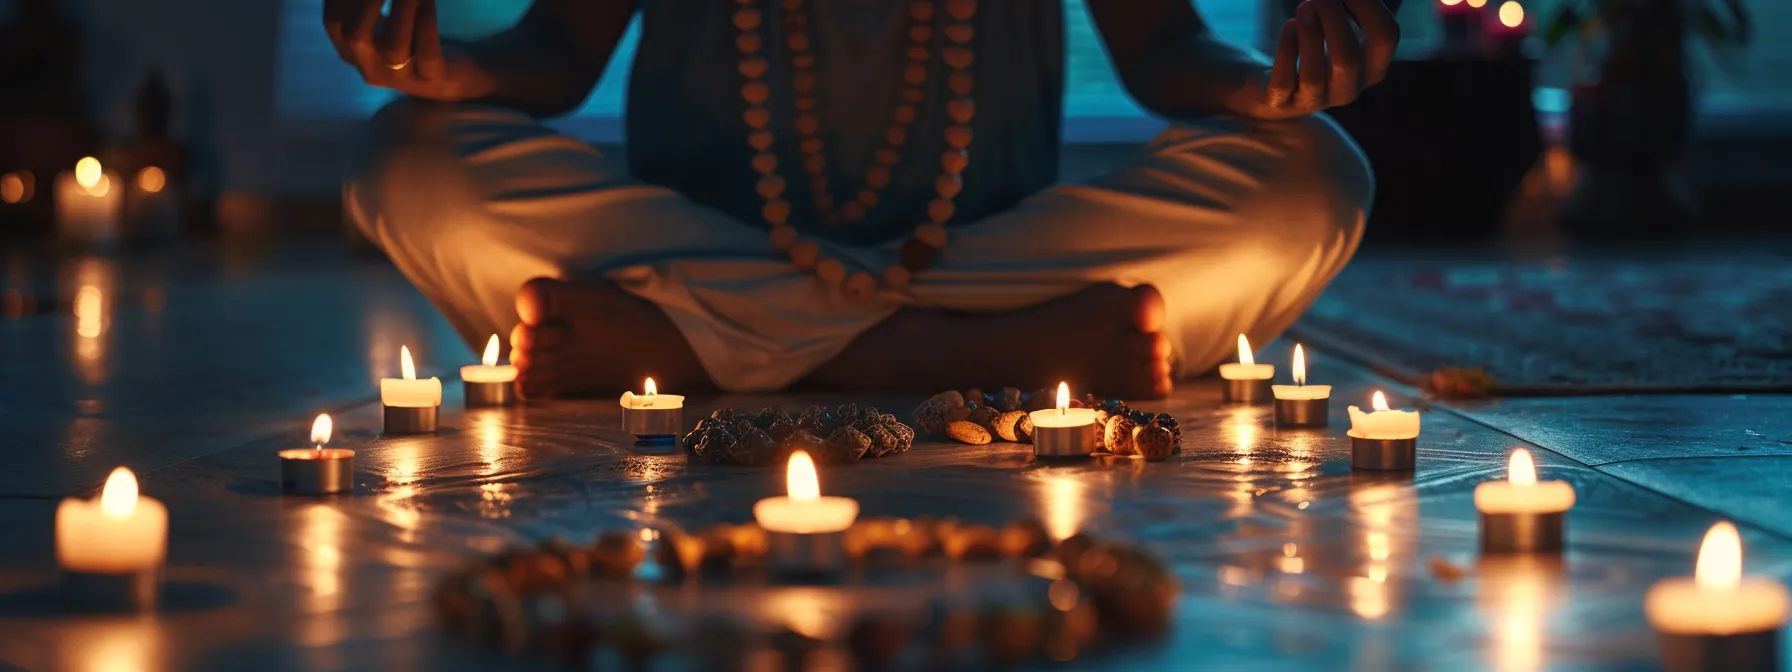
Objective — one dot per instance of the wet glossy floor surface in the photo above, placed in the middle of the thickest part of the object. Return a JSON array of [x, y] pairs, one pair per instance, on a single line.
[[193, 369]]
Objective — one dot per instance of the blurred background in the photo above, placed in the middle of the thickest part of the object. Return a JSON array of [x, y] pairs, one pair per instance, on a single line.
[[245, 114]]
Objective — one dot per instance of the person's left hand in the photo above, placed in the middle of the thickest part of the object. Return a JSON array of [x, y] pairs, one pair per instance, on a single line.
[[1320, 60]]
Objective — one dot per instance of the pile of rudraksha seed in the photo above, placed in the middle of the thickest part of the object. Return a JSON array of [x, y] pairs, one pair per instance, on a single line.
[[843, 434], [581, 603], [976, 418]]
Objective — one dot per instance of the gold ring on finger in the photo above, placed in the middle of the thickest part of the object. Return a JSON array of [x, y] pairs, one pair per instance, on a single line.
[[399, 66]]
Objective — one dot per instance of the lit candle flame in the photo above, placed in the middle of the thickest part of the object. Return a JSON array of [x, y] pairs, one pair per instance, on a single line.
[[1379, 402], [650, 388], [1511, 14], [1521, 470], [88, 173], [320, 430], [119, 498], [1720, 558], [1244, 351], [799, 479], [491, 352], [404, 363], [1063, 397], [1300, 365]]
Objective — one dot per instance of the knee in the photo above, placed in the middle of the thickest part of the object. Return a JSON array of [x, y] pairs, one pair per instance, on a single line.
[[1316, 189], [404, 153]]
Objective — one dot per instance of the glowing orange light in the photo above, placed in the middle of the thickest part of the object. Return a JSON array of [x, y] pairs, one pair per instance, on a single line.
[[1451, 3], [1511, 14], [491, 352], [151, 179], [119, 498], [12, 188], [1300, 365], [1063, 397], [799, 479], [405, 365], [1244, 351], [650, 388], [1521, 470], [1477, 3], [1720, 558], [320, 430], [1379, 401], [88, 173]]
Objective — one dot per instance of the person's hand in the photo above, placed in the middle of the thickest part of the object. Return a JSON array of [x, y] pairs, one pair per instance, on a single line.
[[403, 50], [1320, 60]]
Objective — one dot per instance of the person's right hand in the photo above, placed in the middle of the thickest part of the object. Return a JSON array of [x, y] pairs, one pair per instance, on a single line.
[[403, 50]]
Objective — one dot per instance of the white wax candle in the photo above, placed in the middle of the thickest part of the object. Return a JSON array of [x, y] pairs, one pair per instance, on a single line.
[[408, 392], [1718, 599], [804, 510], [89, 202], [118, 532], [652, 399], [1300, 390], [1521, 492], [1383, 423], [488, 370], [1247, 367], [1063, 415]]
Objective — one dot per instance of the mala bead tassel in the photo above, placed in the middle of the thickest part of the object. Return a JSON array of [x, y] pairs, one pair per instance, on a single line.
[[831, 271]]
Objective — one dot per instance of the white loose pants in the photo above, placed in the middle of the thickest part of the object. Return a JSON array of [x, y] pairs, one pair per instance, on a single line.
[[1238, 224]]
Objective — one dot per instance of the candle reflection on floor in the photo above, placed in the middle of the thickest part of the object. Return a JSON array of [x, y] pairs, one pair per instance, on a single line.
[[1063, 503], [319, 533], [1384, 539], [113, 645], [1516, 595]]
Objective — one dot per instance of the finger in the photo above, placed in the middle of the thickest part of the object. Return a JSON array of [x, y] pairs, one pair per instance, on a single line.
[[337, 13], [1282, 81], [1381, 34], [401, 24], [1315, 67], [428, 47], [1343, 49], [362, 18]]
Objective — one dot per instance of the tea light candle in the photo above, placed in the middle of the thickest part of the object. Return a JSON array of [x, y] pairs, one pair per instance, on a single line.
[[1521, 514], [111, 548], [1300, 404], [489, 383], [652, 416], [1718, 619], [410, 405], [805, 532], [89, 203], [1247, 382], [317, 470], [1384, 439], [1063, 432]]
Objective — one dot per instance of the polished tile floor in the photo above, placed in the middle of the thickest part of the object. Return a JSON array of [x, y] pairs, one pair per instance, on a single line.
[[194, 367]]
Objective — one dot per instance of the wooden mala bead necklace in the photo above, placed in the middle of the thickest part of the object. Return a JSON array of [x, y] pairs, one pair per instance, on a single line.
[[932, 33]]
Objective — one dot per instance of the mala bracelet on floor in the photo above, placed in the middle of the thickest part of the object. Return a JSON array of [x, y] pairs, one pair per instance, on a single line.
[[838, 435], [1079, 594], [976, 418]]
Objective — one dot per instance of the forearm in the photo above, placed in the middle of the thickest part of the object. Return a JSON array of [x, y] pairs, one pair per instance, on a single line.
[[551, 60], [1193, 75]]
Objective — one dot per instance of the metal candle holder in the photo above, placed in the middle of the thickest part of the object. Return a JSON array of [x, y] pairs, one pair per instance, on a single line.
[[1248, 391], [1303, 412], [319, 471], [806, 553], [410, 419], [653, 424], [1383, 454], [1064, 442], [486, 395], [1522, 532], [1715, 653], [127, 592]]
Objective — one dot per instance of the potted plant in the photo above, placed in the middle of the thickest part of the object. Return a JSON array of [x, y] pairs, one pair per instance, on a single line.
[[1628, 121]]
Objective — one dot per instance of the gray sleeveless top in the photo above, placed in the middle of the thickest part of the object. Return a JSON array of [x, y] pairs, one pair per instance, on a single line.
[[685, 129]]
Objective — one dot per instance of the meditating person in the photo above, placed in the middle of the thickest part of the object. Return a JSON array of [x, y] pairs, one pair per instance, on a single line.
[[858, 194]]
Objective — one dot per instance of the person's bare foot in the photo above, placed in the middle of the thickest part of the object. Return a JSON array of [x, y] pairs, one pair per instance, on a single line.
[[590, 336], [1105, 339]]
